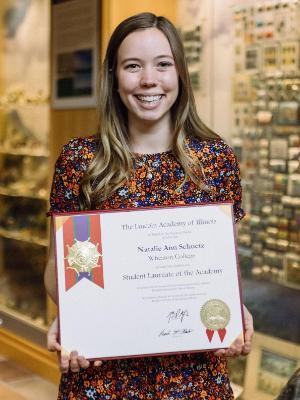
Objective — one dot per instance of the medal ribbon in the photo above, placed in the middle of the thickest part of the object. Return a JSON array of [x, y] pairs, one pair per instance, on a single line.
[[83, 228], [210, 334], [82, 233]]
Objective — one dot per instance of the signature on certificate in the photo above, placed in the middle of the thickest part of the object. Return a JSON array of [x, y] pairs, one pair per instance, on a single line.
[[178, 315], [175, 332]]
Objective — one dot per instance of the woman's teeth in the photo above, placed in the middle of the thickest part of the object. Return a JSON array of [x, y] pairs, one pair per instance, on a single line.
[[149, 99]]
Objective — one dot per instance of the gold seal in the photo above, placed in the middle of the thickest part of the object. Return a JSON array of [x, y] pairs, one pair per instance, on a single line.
[[83, 256], [215, 314]]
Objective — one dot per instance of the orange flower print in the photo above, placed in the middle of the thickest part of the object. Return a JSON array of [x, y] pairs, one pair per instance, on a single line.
[[154, 181]]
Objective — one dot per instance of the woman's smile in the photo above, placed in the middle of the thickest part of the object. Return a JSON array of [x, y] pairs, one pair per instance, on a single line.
[[149, 101]]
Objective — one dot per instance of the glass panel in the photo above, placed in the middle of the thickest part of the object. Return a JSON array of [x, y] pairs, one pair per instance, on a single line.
[[24, 129], [250, 69]]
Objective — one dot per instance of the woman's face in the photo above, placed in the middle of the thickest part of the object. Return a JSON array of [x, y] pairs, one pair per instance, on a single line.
[[147, 76]]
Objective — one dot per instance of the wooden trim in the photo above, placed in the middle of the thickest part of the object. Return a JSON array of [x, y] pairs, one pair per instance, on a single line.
[[30, 355], [6, 392]]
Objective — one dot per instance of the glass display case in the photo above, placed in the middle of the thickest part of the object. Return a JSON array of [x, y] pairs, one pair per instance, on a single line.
[[23, 204], [250, 95], [24, 166], [266, 139]]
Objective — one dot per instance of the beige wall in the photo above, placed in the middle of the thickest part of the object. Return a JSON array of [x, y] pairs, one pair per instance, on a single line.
[[213, 99]]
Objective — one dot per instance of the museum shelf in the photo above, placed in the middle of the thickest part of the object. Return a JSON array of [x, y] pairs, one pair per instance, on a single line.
[[26, 237]]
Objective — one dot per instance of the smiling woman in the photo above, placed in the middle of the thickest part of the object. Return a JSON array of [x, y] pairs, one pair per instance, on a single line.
[[151, 150]]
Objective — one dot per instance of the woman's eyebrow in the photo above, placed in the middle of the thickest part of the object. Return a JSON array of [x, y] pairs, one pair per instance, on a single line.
[[129, 59], [139, 60], [165, 56]]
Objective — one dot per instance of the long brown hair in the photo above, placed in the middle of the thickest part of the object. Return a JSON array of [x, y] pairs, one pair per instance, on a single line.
[[112, 164]]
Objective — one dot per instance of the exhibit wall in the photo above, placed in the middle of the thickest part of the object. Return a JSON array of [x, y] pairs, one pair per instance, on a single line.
[[208, 33], [244, 65]]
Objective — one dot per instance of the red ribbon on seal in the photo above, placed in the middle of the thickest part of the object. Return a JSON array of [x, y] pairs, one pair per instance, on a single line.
[[210, 334]]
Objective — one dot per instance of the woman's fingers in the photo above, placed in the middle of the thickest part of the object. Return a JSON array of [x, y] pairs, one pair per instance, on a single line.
[[220, 353], [63, 363], [83, 362], [249, 330], [52, 337], [53, 345], [246, 348], [74, 365], [97, 363], [234, 350], [74, 362]]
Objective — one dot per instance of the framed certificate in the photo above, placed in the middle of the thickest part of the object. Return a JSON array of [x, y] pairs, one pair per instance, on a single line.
[[147, 281]]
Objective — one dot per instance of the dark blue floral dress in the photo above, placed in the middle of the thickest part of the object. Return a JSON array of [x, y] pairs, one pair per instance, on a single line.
[[155, 181]]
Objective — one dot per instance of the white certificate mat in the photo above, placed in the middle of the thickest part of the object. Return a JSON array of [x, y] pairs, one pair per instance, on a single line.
[[148, 281]]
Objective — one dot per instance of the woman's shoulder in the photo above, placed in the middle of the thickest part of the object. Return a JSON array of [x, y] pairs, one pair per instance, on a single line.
[[69, 169], [207, 150], [79, 148]]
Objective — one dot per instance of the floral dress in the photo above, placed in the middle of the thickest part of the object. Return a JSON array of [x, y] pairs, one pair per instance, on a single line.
[[155, 181]]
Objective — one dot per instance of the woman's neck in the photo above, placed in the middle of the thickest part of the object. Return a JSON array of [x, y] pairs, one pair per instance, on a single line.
[[150, 137]]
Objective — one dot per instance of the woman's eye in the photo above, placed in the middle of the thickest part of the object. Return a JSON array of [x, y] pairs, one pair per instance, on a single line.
[[165, 64], [132, 67]]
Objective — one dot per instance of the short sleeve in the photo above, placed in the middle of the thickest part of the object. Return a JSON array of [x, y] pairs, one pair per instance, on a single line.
[[229, 185], [68, 172]]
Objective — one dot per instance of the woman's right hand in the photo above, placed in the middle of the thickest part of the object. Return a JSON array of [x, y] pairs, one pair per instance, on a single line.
[[66, 362]]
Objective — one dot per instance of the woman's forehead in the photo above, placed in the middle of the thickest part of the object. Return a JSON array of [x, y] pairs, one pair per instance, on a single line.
[[140, 43]]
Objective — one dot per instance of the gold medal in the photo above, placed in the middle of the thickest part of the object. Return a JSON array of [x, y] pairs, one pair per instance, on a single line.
[[83, 256]]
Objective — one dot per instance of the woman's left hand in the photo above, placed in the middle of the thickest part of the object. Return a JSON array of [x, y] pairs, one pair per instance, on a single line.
[[238, 348]]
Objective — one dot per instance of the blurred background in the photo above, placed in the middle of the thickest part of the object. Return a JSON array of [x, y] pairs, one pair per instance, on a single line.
[[244, 63]]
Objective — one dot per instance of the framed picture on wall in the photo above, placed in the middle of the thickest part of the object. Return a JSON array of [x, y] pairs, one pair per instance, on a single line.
[[75, 49]]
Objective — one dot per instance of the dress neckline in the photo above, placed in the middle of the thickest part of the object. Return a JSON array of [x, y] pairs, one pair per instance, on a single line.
[[152, 155]]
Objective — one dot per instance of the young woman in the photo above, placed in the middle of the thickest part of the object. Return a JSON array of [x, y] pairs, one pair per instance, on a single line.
[[151, 149]]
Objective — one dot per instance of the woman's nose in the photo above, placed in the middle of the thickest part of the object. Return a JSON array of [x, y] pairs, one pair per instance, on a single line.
[[148, 77]]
